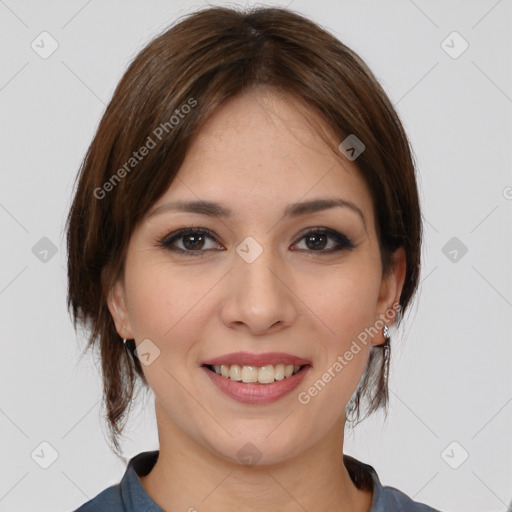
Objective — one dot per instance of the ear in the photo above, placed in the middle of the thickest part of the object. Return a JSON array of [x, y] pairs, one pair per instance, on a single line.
[[117, 307], [389, 294]]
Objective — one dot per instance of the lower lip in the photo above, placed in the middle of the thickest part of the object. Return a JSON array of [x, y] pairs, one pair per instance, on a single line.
[[257, 393]]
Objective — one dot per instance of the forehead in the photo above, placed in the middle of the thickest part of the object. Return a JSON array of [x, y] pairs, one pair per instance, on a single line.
[[262, 149]]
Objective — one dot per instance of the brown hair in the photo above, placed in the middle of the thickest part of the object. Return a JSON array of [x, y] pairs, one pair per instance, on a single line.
[[207, 57]]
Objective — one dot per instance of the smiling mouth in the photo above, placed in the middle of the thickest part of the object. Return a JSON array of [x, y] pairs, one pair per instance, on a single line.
[[254, 374]]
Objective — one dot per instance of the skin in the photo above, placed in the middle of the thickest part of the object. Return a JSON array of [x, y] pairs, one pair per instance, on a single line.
[[256, 155]]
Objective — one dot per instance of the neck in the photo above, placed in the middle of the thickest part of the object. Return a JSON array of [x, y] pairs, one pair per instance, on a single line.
[[187, 476]]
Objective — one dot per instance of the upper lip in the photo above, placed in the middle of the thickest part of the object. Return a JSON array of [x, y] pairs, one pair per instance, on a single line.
[[249, 359]]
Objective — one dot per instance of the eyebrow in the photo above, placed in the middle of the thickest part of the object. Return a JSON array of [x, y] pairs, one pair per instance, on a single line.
[[293, 210]]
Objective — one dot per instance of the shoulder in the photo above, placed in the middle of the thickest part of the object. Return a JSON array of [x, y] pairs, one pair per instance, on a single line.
[[394, 499], [385, 498], [107, 500], [129, 494]]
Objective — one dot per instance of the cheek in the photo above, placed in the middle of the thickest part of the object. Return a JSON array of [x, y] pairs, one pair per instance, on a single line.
[[346, 304], [161, 296], [162, 304], [346, 308]]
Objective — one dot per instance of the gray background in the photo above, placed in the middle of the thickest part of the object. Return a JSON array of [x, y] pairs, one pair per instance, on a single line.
[[450, 379]]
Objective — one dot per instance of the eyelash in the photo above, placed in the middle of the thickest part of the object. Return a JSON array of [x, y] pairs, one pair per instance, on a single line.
[[342, 240]]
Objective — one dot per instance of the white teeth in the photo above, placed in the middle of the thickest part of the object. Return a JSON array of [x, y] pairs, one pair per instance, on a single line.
[[235, 372], [251, 374], [266, 374], [279, 372]]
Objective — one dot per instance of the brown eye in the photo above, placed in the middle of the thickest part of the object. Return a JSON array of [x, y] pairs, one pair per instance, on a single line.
[[317, 240], [192, 241]]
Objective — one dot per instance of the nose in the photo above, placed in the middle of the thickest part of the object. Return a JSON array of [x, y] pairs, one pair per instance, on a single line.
[[259, 297]]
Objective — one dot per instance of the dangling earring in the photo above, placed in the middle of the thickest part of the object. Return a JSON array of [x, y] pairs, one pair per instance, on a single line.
[[130, 346], [124, 339], [385, 332], [386, 346]]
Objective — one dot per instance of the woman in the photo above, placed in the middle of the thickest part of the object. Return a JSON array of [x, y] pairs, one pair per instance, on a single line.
[[245, 231]]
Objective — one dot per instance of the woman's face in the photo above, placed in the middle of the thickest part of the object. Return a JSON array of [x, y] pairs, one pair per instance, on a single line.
[[259, 282]]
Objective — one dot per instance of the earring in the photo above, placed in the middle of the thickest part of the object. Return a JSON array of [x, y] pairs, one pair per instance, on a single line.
[[386, 346], [129, 344], [124, 340]]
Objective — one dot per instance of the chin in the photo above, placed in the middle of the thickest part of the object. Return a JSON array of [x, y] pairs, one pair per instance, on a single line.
[[258, 450]]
